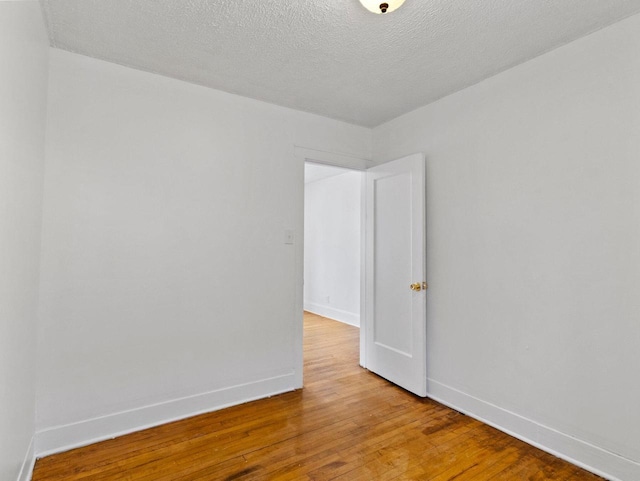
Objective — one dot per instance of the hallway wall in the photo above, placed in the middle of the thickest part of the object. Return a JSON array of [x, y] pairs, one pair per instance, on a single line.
[[332, 242]]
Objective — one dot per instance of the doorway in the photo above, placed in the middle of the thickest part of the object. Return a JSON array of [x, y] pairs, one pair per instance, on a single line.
[[333, 242], [392, 266]]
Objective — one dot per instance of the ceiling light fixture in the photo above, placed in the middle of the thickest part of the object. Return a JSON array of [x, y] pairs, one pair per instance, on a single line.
[[381, 6]]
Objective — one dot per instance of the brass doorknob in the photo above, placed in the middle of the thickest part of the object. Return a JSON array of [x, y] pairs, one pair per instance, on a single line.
[[416, 287]]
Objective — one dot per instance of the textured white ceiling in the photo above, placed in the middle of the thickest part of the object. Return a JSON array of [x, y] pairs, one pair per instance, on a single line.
[[330, 57]]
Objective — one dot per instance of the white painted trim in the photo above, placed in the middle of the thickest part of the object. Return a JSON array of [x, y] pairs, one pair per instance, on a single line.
[[581, 453], [26, 470], [363, 270], [298, 276], [63, 438], [339, 315]]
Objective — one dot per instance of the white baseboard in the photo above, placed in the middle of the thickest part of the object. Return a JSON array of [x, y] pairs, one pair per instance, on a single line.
[[26, 470], [346, 317], [581, 453], [69, 436]]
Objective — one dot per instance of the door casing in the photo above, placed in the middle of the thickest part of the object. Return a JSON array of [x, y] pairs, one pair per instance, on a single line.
[[303, 155]]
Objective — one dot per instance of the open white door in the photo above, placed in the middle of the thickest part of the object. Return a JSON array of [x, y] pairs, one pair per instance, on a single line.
[[395, 273]]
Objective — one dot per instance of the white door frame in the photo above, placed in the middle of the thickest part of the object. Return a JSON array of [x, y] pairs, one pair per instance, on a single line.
[[350, 162]]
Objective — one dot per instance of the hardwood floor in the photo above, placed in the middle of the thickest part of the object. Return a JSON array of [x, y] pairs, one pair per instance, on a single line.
[[346, 424]]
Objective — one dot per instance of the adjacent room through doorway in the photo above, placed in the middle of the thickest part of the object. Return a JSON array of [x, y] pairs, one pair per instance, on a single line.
[[332, 242]]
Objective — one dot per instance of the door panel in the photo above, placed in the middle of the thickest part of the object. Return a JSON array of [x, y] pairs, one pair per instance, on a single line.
[[392, 233], [395, 259]]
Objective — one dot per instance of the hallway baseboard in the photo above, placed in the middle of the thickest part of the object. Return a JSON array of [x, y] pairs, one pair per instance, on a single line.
[[346, 317]]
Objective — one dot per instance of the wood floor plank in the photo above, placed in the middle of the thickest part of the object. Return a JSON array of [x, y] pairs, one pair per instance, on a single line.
[[346, 424]]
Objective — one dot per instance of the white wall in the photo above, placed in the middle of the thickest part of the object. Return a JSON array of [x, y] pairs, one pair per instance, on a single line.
[[533, 257], [332, 231], [23, 77], [167, 288]]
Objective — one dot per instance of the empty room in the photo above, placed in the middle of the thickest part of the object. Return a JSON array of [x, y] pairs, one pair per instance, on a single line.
[[160, 318]]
